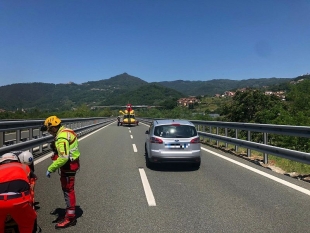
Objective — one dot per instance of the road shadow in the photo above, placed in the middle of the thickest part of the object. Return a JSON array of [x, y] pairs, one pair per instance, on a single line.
[[61, 212], [173, 167]]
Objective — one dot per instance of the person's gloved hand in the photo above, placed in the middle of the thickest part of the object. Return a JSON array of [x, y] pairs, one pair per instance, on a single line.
[[48, 174]]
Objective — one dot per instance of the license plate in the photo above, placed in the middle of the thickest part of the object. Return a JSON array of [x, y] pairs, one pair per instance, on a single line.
[[177, 146]]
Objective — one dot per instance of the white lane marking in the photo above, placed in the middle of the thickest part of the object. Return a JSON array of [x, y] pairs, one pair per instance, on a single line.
[[293, 186], [131, 136], [129, 131], [80, 139], [134, 148], [147, 188]]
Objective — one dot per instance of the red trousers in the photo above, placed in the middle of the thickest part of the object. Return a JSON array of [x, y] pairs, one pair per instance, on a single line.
[[22, 212], [67, 179], [67, 185]]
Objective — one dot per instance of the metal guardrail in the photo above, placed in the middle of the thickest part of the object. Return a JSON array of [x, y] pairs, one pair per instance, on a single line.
[[28, 136], [24, 138], [288, 130]]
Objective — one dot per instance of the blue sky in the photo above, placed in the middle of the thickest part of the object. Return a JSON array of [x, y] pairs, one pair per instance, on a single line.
[[60, 41]]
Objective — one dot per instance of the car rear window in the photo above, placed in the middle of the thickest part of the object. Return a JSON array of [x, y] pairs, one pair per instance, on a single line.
[[175, 131]]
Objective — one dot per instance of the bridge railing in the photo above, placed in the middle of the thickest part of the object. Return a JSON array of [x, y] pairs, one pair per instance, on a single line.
[[26, 134], [211, 130]]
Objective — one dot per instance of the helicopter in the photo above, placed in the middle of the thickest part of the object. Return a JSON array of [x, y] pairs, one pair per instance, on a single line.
[[128, 116]]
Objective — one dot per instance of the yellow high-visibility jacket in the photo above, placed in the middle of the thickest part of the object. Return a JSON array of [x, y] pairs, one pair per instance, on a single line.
[[66, 142]]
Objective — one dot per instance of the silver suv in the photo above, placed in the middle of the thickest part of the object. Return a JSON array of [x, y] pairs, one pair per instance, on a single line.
[[172, 141]]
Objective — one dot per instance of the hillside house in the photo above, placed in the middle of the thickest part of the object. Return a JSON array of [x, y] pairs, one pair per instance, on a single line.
[[229, 93], [280, 94], [185, 102]]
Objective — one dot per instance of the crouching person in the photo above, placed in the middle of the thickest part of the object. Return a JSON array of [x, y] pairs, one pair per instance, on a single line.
[[15, 194], [26, 157]]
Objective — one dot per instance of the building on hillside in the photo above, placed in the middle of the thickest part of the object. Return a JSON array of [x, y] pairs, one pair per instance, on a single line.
[[229, 93], [280, 94], [268, 92], [185, 102]]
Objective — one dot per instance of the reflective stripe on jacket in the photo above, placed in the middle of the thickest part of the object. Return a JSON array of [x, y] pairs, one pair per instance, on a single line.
[[67, 147], [14, 171]]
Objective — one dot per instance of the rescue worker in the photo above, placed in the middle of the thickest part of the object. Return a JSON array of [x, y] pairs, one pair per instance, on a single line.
[[118, 120], [26, 157], [15, 195], [67, 160]]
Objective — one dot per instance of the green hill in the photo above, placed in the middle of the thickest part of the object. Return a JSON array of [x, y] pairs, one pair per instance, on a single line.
[[119, 90], [150, 94], [219, 86]]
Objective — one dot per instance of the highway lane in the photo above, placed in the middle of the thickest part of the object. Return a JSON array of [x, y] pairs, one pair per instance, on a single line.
[[219, 197]]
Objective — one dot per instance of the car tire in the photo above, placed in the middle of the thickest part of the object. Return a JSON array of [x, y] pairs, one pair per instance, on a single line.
[[148, 163], [196, 165]]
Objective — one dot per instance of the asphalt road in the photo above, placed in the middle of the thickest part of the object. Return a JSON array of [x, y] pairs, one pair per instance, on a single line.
[[117, 193]]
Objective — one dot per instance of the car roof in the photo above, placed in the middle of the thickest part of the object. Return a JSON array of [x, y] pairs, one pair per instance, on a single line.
[[172, 121]]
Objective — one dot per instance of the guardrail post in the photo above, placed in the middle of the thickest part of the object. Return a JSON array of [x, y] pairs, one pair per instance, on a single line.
[[210, 131], [41, 146], [249, 139], [30, 134], [30, 138], [265, 142], [2, 138], [18, 136], [226, 134], [217, 133], [236, 147], [204, 130]]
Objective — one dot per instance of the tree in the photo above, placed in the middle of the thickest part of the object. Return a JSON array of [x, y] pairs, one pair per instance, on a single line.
[[169, 104], [299, 96], [251, 106]]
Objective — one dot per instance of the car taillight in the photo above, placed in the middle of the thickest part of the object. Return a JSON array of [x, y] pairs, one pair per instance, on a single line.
[[156, 140], [195, 140]]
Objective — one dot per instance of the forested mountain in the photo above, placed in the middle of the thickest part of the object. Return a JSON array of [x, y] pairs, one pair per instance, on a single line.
[[119, 89], [150, 94], [218, 86], [119, 82]]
